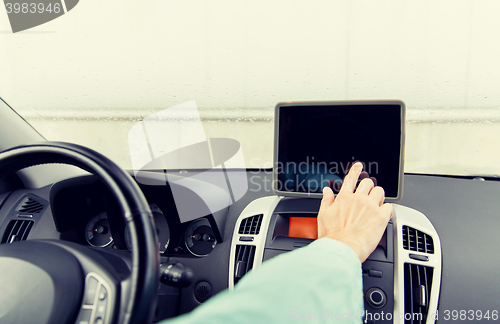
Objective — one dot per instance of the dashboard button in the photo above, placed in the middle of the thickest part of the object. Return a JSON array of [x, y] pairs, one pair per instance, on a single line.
[[419, 257], [300, 244], [376, 297], [375, 273], [246, 238]]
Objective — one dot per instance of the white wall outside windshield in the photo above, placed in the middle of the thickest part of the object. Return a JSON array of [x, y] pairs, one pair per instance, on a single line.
[[91, 74]]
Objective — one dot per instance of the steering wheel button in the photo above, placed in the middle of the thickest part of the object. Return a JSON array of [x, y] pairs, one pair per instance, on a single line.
[[90, 290], [100, 308], [102, 293], [84, 317], [100, 311]]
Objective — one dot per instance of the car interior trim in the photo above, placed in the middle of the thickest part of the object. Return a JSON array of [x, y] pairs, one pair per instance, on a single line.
[[263, 206]]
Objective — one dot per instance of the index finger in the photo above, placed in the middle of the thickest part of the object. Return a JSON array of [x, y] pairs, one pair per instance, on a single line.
[[352, 177]]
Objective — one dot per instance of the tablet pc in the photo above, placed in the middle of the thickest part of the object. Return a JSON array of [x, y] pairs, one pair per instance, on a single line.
[[317, 142]]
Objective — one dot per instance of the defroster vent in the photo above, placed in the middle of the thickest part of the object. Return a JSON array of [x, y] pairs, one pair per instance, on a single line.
[[415, 240], [30, 206], [243, 261], [417, 287], [17, 230], [251, 225]]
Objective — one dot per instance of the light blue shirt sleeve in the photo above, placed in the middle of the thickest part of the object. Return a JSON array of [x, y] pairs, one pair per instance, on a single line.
[[318, 283]]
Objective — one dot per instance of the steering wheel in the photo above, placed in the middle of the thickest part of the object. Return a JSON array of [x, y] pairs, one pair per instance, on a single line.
[[53, 281]]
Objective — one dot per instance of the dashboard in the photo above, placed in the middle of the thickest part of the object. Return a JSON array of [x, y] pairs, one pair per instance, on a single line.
[[96, 220], [438, 255]]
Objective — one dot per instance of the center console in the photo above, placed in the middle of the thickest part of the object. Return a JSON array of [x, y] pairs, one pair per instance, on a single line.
[[401, 278], [315, 145]]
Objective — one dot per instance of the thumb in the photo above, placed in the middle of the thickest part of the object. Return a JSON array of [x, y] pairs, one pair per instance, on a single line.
[[328, 198]]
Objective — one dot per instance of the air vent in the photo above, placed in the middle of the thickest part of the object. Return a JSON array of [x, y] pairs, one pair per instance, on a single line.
[[17, 230], [30, 206], [244, 261], [415, 240], [417, 287], [251, 225]]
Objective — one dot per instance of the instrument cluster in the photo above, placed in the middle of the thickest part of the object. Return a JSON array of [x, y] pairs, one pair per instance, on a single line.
[[195, 238]]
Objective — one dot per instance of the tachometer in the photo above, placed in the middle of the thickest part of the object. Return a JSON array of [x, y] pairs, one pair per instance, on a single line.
[[200, 238], [97, 231]]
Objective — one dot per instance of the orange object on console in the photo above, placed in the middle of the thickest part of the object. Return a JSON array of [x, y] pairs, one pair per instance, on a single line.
[[303, 227]]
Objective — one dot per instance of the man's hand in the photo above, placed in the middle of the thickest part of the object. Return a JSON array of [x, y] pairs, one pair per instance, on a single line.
[[357, 217]]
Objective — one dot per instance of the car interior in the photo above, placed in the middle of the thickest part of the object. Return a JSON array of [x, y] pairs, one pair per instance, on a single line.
[[416, 267], [88, 238]]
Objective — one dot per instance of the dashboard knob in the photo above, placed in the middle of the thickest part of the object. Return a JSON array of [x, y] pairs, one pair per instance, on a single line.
[[376, 297]]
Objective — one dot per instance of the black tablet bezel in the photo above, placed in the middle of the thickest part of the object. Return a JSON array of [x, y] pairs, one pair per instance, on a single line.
[[284, 105]]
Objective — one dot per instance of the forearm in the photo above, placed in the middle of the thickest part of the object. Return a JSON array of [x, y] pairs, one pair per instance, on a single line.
[[322, 281]]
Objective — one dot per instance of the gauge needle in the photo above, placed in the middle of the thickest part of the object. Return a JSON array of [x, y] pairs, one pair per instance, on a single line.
[[99, 230]]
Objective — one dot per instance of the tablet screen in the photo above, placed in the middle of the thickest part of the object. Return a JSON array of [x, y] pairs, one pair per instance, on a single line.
[[316, 143]]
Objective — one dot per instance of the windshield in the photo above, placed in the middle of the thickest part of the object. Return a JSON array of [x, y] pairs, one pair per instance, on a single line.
[[93, 73]]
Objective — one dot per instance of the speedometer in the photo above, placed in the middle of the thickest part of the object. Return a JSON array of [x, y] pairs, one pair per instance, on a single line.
[[97, 231]]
